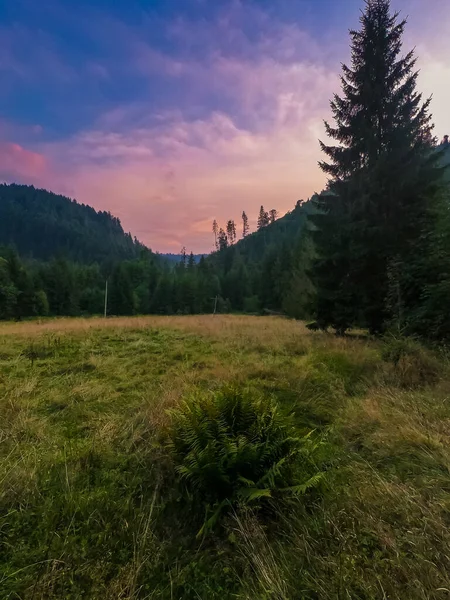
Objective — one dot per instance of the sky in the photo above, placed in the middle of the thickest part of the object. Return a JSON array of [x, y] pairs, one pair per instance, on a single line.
[[172, 113]]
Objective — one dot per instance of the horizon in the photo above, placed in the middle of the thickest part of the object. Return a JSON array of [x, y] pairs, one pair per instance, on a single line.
[[172, 114]]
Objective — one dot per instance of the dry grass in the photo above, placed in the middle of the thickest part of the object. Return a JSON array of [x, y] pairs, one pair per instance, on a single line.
[[88, 503], [227, 325]]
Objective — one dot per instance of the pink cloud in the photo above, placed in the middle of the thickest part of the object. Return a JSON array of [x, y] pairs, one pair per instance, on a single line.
[[168, 180], [18, 162]]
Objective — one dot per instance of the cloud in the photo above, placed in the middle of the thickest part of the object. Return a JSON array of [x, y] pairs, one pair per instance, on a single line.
[[169, 177], [18, 162]]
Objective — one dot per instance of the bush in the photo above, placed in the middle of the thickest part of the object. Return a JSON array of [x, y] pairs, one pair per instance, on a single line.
[[234, 447], [413, 364]]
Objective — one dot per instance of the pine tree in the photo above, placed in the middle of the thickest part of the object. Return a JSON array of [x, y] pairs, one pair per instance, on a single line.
[[121, 294], [263, 218], [162, 302], [273, 215], [222, 240], [60, 287], [231, 232], [245, 225], [8, 292], [215, 229], [183, 257], [382, 174]]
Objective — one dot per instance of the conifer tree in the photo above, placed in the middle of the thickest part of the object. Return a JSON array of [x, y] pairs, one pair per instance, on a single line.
[[191, 262], [183, 257], [162, 302], [222, 240], [231, 232], [8, 291], [263, 218], [382, 176], [245, 225], [215, 229], [121, 295], [273, 215]]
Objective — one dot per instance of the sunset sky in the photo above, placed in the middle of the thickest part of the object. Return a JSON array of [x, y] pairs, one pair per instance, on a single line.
[[170, 113]]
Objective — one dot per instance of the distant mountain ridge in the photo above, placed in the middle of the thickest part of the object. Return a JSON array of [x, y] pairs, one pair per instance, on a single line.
[[176, 258], [42, 225]]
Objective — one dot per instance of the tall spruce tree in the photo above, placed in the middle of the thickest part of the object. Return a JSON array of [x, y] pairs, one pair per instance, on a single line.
[[222, 240], [121, 296], [273, 215], [245, 225], [215, 229], [231, 232], [263, 218], [383, 176]]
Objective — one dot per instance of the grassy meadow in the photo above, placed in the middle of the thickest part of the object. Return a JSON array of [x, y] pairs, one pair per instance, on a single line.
[[91, 505]]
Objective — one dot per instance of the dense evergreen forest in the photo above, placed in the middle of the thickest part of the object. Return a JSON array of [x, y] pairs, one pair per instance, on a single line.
[[263, 270], [372, 250], [43, 225]]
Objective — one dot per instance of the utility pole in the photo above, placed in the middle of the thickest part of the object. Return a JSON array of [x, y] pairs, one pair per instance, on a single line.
[[106, 297], [215, 304]]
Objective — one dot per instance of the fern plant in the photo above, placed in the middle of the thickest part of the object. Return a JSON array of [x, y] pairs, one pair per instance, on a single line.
[[234, 446]]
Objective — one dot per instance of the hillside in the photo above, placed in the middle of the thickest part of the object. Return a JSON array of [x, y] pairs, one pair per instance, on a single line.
[[267, 270], [42, 225], [256, 245]]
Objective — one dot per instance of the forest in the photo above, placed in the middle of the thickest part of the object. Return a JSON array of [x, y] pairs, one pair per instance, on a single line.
[[263, 270]]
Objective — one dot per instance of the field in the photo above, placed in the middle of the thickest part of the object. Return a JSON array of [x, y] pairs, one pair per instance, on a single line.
[[90, 505]]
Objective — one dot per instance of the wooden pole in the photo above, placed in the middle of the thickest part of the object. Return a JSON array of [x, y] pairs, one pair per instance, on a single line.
[[106, 297], [215, 304]]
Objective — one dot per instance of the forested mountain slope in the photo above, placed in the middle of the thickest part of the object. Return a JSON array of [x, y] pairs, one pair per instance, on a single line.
[[268, 269], [43, 225]]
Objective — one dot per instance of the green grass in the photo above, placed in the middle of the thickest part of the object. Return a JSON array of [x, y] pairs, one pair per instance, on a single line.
[[91, 505]]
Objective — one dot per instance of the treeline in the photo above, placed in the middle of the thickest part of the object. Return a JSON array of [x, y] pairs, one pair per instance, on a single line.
[[141, 286]]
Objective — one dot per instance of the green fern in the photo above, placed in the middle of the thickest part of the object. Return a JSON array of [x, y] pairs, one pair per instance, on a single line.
[[237, 447]]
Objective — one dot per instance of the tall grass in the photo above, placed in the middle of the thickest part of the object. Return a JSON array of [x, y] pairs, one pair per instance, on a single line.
[[91, 505]]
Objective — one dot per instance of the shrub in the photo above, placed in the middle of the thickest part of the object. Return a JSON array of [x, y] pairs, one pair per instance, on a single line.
[[235, 447], [413, 364]]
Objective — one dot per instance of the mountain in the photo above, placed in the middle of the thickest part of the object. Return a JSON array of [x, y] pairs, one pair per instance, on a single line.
[[42, 225]]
